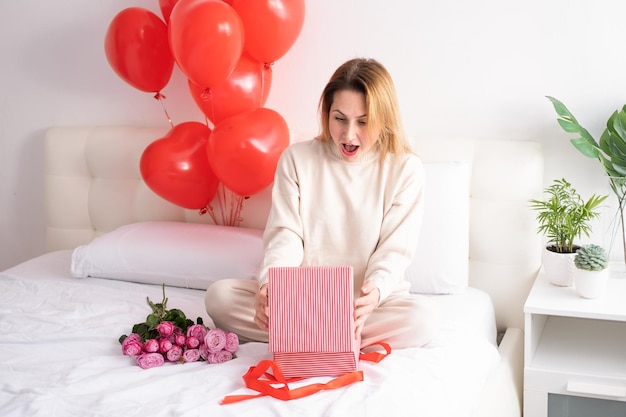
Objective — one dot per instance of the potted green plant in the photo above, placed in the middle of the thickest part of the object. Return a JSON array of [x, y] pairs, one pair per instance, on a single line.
[[564, 217], [591, 274], [610, 151]]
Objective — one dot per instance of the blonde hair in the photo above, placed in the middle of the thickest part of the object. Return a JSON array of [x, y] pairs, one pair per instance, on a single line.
[[369, 77]]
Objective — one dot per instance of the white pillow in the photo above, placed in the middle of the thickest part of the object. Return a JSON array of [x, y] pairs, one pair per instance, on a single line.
[[195, 255], [441, 263], [178, 254]]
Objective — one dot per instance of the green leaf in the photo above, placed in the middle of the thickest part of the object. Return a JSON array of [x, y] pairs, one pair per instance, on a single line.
[[561, 110], [609, 168], [605, 140], [618, 170], [616, 124], [615, 154], [585, 147], [585, 143], [152, 321], [569, 126], [174, 315], [616, 145], [140, 328]]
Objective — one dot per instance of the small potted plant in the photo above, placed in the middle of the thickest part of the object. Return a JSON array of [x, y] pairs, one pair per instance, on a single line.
[[591, 274], [563, 217]]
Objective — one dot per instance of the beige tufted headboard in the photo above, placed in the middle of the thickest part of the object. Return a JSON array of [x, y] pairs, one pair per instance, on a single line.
[[93, 185]]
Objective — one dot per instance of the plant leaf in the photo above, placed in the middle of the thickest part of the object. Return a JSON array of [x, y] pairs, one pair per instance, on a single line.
[[569, 126], [616, 145], [152, 321], [561, 110], [585, 147], [568, 123]]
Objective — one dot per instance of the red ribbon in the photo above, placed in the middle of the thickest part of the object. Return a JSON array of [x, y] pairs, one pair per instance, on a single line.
[[259, 379]]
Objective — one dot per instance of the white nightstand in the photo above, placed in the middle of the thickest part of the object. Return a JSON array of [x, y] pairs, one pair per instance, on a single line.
[[574, 351]]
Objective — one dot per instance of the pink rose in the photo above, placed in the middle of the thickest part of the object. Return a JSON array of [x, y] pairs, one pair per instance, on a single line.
[[174, 353], [151, 346], [204, 351], [165, 345], [197, 330], [232, 342], [150, 360], [191, 355], [215, 340], [180, 339], [165, 328], [220, 357], [192, 342], [133, 337], [131, 349]]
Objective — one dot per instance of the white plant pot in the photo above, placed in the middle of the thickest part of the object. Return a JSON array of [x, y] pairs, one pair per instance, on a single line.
[[591, 284], [559, 267]]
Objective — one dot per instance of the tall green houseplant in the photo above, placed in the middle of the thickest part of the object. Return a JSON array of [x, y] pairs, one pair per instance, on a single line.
[[610, 150]]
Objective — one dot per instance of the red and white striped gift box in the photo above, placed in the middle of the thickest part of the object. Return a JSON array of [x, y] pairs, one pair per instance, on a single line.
[[311, 329]]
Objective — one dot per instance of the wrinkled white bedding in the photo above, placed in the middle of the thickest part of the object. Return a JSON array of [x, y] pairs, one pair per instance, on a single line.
[[59, 356]]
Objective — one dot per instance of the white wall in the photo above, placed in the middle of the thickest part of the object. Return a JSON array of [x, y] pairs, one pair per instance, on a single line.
[[475, 69]]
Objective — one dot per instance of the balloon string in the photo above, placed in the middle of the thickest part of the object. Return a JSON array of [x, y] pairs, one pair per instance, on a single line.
[[231, 200], [161, 98], [222, 201], [230, 209], [239, 207], [209, 209], [266, 67], [233, 209], [207, 95]]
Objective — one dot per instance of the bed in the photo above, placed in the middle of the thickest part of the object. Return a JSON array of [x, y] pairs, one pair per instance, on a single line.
[[59, 329]]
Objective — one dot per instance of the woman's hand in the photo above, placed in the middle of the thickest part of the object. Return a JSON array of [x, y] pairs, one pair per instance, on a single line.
[[364, 305], [261, 308]]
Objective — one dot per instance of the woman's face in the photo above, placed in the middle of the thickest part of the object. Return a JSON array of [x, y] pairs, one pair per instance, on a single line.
[[348, 125]]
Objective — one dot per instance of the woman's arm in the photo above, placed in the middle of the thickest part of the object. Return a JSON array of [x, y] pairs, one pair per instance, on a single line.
[[282, 238], [399, 230]]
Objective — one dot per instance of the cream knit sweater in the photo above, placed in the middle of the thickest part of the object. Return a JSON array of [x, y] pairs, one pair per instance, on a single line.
[[326, 211]]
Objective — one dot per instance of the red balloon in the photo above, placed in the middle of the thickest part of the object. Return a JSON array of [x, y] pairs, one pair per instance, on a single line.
[[246, 88], [166, 7], [137, 48], [271, 26], [177, 169], [244, 150], [206, 37]]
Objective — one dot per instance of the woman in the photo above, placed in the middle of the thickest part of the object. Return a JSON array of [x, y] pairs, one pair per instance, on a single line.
[[351, 196]]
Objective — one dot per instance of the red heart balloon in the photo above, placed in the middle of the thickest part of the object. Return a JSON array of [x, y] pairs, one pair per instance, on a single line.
[[246, 88], [206, 38], [166, 7], [244, 150], [271, 27], [177, 169], [136, 46]]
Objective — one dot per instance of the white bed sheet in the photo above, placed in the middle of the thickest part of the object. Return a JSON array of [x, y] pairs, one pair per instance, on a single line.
[[59, 356]]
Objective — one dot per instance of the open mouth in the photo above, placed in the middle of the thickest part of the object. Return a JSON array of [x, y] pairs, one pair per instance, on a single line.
[[349, 150]]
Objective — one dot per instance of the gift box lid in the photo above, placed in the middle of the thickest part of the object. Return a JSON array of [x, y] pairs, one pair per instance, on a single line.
[[311, 309]]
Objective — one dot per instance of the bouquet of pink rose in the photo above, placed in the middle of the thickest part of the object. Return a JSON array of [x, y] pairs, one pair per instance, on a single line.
[[168, 335]]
